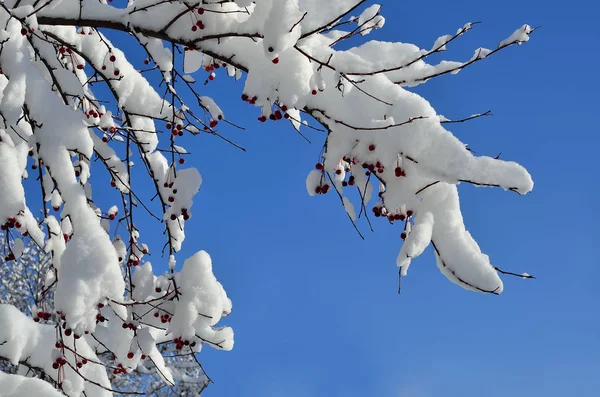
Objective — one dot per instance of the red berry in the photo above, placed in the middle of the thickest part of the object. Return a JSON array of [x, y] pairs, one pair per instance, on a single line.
[[23, 31], [319, 166], [157, 289], [275, 61], [318, 190], [314, 92], [112, 58], [55, 365], [181, 160], [143, 356], [338, 172], [116, 72], [194, 28], [79, 67], [398, 172], [324, 189], [371, 147], [130, 355], [146, 61], [168, 126], [84, 361], [403, 236], [244, 97], [200, 11], [213, 123], [262, 119], [111, 217], [409, 213]]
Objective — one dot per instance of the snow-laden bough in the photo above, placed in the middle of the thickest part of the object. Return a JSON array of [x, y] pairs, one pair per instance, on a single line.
[[383, 141]]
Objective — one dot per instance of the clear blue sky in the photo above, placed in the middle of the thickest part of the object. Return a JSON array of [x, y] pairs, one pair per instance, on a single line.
[[316, 311]]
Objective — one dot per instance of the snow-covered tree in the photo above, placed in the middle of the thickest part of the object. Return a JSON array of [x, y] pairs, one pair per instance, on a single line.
[[77, 97], [22, 287]]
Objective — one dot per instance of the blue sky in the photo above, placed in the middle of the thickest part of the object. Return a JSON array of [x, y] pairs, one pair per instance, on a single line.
[[316, 311]]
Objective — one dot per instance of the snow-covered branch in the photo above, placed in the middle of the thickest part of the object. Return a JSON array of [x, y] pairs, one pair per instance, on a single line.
[[74, 101]]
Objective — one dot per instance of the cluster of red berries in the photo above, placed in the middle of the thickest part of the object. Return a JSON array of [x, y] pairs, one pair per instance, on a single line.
[[251, 101], [177, 130], [213, 66], [276, 115], [130, 356], [179, 343], [196, 21], [60, 361], [93, 113], [41, 315], [399, 216], [119, 370], [322, 189], [133, 262], [185, 214], [10, 223], [112, 58], [377, 167], [82, 363], [165, 318], [350, 182], [399, 172], [64, 51], [24, 31], [129, 325], [111, 129]]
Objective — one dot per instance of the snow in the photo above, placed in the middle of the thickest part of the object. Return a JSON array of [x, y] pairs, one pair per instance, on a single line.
[[203, 301], [380, 138], [20, 386], [12, 194]]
